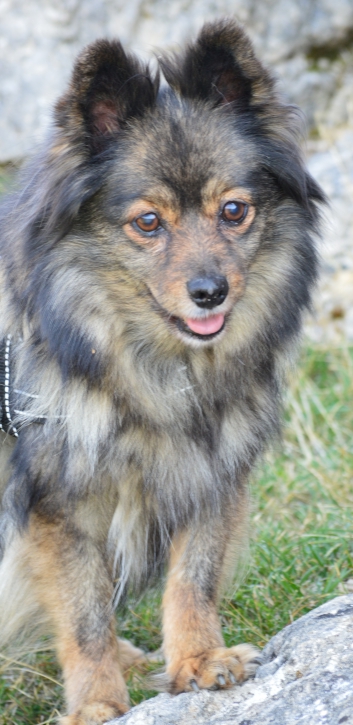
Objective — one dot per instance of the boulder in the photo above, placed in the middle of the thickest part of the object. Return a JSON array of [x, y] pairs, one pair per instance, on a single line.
[[309, 43], [332, 165], [306, 679]]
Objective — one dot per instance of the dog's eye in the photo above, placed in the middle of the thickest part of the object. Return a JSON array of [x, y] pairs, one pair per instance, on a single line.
[[147, 222], [234, 211]]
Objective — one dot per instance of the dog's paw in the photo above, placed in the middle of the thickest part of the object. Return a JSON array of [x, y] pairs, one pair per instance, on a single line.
[[215, 669], [96, 713]]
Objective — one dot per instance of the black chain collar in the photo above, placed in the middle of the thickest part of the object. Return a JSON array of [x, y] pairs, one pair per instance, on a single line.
[[6, 393]]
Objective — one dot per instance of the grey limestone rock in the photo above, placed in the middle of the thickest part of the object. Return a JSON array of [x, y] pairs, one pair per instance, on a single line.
[[40, 38], [308, 43], [306, 679], [332, 166]]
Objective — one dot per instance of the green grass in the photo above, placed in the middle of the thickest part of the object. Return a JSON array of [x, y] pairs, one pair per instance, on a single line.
[[7, 177], [301, 553]]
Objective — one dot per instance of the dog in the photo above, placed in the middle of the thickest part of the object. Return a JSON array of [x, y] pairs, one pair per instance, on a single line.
[[156, 261]]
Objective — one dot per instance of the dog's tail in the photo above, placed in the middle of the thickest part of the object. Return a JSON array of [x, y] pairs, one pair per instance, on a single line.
[[21, 616]]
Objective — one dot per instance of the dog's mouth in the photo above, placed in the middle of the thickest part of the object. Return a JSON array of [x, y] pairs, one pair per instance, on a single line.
[[203, 329], [194, 328], [206, 328]]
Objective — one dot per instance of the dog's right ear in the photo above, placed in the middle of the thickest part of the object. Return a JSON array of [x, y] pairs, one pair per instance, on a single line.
[[107, 88]]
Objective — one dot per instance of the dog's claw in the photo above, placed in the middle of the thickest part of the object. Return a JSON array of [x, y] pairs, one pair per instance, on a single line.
[[221, 680], [194, 686], [232, 678]]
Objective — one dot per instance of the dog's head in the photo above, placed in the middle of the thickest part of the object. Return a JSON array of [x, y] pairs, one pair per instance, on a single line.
[[192, 192]]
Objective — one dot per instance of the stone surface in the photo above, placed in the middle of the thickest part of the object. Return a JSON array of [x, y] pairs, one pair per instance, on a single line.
[[310, 42], [332, 166], [306, 679]]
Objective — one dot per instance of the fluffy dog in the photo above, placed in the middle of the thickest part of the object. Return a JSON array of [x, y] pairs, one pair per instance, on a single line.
[[155, 265]]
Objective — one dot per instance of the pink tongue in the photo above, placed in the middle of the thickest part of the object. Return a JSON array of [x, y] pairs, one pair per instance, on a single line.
[[206, 326]]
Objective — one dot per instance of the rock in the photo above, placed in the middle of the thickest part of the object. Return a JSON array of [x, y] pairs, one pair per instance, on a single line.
[[308, 41], [309, 44], [306, 679], [332, 166]]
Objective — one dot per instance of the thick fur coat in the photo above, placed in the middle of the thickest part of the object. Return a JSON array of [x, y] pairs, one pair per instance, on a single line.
[[156, 262]]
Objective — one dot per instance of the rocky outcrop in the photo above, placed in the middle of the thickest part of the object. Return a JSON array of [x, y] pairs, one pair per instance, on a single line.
[[306, 679], [309, 43], [332, 165]]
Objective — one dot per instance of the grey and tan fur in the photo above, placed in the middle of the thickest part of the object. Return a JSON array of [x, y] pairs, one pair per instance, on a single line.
[[138, 433]]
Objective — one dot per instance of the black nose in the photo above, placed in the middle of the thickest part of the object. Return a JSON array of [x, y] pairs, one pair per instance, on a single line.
[[208, 291]]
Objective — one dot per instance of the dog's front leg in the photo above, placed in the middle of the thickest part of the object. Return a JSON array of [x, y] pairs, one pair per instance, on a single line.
[[72, 582], [193, 644]]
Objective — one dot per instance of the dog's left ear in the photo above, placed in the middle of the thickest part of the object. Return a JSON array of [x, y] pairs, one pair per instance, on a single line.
[[108, 87], [221, 67]]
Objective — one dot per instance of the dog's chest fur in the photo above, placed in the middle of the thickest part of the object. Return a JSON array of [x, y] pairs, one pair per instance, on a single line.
[[176, 436]]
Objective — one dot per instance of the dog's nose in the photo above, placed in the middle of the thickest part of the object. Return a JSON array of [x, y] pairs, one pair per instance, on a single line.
[[208, 292]]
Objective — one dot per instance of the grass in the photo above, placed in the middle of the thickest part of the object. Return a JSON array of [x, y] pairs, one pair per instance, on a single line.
[[7, 177], [301, 552]]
